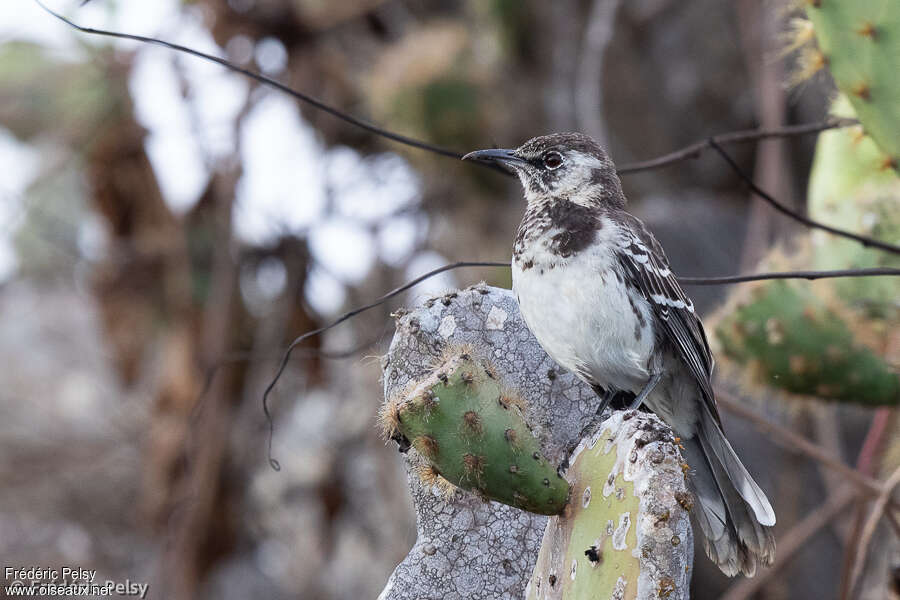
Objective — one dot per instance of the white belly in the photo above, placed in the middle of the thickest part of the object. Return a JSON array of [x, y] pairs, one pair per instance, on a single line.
[[585, 321]]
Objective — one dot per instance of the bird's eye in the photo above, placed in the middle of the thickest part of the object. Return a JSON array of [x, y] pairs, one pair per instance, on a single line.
[[552, 160]]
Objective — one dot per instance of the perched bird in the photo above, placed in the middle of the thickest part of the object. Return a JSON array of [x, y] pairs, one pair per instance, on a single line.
[[595, 288]]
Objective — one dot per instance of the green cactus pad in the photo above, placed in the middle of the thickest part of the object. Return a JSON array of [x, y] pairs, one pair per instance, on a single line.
[[794, 341], [475, 437], [600, 554], [849, 189], [861, 43], [625, 531]]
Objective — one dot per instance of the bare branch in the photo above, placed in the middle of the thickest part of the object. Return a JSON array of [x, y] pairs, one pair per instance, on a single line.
[[685, 153], [347, 315], [864, 240], [736, 137], [797, 443], [408, 141], [793, 541], [810, 275], [878, 510], [686, 280]]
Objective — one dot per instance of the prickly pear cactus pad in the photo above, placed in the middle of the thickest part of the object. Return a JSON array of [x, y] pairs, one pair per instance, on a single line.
[[849, 188], [473, 435], [467, 547], [860, 42], [794, 340], [626, 532]]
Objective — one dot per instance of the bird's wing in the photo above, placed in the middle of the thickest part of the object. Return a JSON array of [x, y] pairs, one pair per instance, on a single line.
[[647, 269]]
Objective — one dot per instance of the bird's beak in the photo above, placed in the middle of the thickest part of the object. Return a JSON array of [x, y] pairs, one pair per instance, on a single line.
[[502, 157]]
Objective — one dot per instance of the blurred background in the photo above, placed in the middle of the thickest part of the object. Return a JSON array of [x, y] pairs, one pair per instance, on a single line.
[[167, 227]]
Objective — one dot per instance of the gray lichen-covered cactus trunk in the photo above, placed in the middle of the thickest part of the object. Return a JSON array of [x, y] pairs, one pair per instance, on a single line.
[[472, 398]]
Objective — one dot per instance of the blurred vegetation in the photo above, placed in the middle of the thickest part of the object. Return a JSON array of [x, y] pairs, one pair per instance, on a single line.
[[167, 295]]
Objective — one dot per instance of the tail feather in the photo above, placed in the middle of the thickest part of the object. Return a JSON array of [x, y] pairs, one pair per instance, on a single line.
[[709, 513], [741, 480], [731, 511]]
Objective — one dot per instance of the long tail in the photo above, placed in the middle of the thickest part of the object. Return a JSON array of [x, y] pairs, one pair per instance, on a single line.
[[731, 511]]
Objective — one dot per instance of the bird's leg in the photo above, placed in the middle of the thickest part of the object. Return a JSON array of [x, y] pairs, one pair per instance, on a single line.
[[606, 397], [648, 387]]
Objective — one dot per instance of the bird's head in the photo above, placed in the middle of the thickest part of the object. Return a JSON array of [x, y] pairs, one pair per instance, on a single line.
[[560, 166]]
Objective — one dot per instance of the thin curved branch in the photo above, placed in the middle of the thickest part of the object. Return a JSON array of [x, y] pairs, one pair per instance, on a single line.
[[864, 240], [797, 443], [865, 539], [685, 153], [395, 292], [357, 122], [347, 315], [735, 137], [809, 275]]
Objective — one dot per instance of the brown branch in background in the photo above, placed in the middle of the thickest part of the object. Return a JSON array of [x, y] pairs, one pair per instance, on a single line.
[[421, 278], [735, 137], [866, 462], [865, 539], [686, 153], [864, 240], [809, 275], [797, 443], [589, 72], [793, 541], [758, 28]]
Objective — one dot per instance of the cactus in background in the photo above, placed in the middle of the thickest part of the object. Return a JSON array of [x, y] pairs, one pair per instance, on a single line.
[[795, 341], [849, 188], [626, 532], [834, 339], [860, 43], [474, 436]]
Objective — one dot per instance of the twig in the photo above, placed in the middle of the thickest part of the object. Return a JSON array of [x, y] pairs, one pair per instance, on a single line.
[[864, 240], [408, 141], [737, 137], [810, 275], [688, 152], [457, 265], [797, 443], [871, 524], [793, 541], [866, 462], [347, 315]]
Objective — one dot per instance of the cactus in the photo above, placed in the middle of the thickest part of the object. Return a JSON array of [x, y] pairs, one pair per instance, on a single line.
[[860, 43], [474, 436], [832, 339], [849, 189], [468, 548], [797, 342], [626, 532]]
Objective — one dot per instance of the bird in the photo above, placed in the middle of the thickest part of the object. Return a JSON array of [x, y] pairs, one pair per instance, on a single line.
[[595, 288]]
